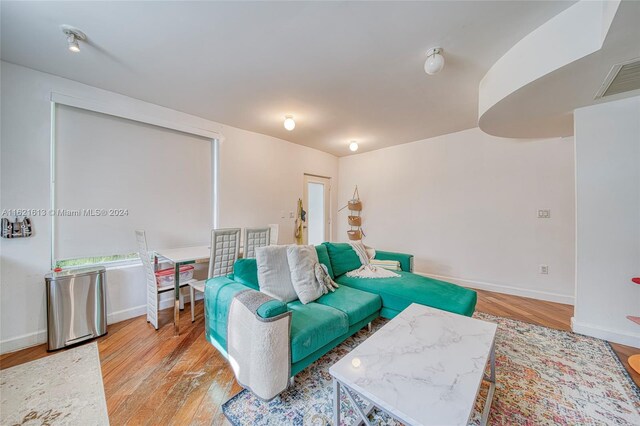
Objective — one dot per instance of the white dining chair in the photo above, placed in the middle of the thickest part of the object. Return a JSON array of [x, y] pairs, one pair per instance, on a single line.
[[254, 238], [153, 291], [225, 247], [273, 233]]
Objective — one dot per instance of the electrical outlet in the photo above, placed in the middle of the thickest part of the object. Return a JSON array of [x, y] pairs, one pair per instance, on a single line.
[[544, 214], [544, 269], [291, 215]]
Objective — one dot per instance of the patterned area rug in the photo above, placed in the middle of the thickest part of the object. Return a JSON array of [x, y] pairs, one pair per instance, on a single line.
[[544, 377], [61, 389]]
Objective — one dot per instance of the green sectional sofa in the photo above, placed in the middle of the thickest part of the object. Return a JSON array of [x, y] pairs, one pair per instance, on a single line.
[[319, 326]]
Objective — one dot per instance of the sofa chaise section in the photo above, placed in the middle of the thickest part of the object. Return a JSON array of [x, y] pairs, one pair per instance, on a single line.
[[399, 292]]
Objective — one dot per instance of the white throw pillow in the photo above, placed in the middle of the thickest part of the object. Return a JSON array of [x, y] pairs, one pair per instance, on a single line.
[[302, 262], [274, 278]]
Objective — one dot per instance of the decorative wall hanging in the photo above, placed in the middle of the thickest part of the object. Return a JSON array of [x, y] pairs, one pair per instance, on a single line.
[[354, 219], [301, 217]]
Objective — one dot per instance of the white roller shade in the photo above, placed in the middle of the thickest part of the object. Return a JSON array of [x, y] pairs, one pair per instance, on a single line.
[[161, 177]]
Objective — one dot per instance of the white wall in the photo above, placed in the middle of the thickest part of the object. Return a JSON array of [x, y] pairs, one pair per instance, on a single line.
[[465, 206], [260, 176], [608, 220]]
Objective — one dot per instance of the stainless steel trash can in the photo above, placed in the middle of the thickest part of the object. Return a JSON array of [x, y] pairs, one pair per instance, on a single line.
[[76, 306]]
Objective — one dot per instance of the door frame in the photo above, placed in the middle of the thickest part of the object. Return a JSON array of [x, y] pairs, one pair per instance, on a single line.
[[326, 181]]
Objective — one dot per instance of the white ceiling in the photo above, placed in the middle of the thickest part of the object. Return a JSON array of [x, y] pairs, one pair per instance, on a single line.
[[344, 70], [544, 107]]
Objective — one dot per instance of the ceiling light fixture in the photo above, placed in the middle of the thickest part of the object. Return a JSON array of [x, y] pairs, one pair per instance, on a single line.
[[289, 124], [434, 62], [73, 44], [353, 146], [73, 36]]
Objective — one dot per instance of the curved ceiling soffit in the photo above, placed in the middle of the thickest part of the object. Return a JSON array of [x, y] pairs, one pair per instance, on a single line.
[[521, 96]]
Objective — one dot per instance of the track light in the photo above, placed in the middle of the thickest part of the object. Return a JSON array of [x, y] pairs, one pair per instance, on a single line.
[[73, 43], [434, 62], [73, 36], [289, 124]]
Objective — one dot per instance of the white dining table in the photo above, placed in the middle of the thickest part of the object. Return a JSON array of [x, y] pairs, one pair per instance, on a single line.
[[179, 257]]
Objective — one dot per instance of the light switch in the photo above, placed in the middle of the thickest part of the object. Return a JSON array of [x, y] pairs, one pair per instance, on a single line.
[[282, 214], [544, 214], [291, 215]]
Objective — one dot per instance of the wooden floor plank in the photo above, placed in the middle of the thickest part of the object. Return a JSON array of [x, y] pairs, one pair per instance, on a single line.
[[152, 377]]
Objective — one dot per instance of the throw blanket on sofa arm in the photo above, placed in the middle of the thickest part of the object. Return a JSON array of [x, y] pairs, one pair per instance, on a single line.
[[367, 270], [258, 348]]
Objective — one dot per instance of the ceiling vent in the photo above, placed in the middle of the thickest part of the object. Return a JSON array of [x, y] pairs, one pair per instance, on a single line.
[[623, 77]]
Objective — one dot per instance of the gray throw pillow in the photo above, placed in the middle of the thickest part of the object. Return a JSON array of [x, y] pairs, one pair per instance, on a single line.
[[274, 278], [302, 262]]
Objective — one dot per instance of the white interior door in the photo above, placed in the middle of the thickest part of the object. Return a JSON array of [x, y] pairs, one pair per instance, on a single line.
[[316, 202]]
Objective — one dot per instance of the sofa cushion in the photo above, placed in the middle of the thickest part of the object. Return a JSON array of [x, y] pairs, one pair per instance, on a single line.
[[245, 271], [343, 258], [313, 326], [274, 276], [357, 304], [323, 257], [302, 263], [399, 292]]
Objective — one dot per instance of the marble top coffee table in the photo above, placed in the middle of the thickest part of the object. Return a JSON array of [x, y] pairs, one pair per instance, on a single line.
[[424, 367]]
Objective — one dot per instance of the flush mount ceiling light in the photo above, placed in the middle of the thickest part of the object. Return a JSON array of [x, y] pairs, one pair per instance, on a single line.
[[73, 36], [434, 62], [353, 146], [289, 124]]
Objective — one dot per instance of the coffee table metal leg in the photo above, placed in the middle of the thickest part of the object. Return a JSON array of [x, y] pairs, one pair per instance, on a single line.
[[492, 386], [336, 402], [366, 412], [363, 417]]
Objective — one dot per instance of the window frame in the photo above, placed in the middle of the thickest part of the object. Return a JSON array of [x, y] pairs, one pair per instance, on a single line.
[[129, 109]]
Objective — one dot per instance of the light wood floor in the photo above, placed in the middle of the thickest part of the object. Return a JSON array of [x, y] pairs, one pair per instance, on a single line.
[[151, 377]]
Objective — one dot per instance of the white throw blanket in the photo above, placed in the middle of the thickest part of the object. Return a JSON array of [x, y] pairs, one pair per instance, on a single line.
[[367, 270]]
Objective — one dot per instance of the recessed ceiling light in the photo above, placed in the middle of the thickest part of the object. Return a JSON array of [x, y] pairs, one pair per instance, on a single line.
[[434, 62], [289, 124], [73, 36], [353, 146]]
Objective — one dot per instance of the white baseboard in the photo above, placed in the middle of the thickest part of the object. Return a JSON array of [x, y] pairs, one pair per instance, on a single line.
[[629, 339], [126, 314], [23, 341], [499, 288], [39, 337]]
